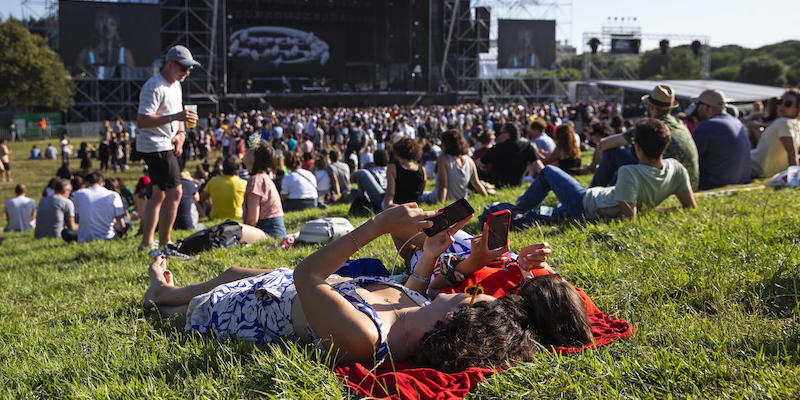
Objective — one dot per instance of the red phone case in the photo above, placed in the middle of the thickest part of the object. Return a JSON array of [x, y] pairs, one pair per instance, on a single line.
[[505, 214]]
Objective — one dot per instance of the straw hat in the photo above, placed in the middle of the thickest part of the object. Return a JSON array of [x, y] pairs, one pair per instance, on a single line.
[[661, 96]]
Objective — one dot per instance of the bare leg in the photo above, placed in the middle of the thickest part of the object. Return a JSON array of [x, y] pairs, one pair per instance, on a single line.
[[163, 292], [150, 216], [251, 234], [169, 209]]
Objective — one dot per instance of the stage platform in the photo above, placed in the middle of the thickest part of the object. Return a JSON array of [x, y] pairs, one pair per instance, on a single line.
[[239, 101]]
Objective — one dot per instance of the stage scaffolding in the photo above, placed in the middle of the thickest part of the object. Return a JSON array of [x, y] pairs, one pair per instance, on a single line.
[[191, 23]]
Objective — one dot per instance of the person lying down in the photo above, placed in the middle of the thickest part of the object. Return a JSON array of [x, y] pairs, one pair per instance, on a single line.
[[370, 318]]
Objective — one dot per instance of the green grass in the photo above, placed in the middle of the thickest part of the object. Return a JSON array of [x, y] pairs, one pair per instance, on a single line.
[[712, 292]]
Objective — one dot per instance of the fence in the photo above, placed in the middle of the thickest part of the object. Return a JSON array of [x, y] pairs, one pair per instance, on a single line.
[[73, 129]]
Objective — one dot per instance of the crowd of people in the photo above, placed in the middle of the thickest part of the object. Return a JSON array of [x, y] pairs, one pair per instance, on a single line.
[[269, 162]]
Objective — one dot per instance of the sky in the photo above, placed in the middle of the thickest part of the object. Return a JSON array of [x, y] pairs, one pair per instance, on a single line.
[[747, 23]]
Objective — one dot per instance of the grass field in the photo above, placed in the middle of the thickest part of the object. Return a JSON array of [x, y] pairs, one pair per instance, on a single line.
[[713, 293]]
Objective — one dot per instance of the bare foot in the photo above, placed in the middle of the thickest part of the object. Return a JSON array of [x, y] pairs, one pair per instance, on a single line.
[[160, 280]]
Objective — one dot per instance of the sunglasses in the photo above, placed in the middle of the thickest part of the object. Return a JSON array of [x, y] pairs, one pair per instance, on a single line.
[[185, 68], [786, 103]]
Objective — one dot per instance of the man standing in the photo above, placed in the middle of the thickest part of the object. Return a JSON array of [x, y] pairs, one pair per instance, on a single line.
[[160, 141], [509, 158], [722, 143], [56, 214], [5, 160], [658, 103], [20, 210], [100, 212]]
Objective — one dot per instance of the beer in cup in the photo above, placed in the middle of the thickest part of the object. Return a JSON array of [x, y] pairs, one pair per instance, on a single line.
[[190, 124]]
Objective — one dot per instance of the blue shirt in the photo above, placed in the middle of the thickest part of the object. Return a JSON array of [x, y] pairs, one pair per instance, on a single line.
[[545, 143], [724, 151]]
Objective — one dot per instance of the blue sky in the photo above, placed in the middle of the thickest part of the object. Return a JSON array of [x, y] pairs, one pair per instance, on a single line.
[[744, 22]]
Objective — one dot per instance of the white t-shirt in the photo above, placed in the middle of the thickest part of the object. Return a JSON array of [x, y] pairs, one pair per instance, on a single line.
[[97, 207], [769, 157], [323, 180], [158, 97], [20, 209], [299, 184]]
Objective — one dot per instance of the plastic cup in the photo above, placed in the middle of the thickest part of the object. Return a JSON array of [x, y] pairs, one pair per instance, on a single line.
[[193, 107]]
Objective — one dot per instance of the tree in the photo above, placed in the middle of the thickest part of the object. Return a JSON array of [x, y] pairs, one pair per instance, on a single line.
[[763, 70], [729, 73], [31, 74]]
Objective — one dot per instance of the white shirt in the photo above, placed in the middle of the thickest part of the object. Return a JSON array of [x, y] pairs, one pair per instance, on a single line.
[[299, 184], [20, 210], [323, 180], [97, 207], [158, 97]]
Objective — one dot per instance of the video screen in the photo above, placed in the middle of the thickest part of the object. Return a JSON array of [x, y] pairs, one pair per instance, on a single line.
[[275, 51], [625, 46], [109, 40], [526, 43]]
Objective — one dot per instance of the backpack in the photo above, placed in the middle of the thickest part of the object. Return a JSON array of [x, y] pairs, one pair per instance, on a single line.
[[362, 207], [225, 234], [324, 230]]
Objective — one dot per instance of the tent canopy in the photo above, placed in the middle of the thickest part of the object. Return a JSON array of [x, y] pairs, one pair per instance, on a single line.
[[735, 92]]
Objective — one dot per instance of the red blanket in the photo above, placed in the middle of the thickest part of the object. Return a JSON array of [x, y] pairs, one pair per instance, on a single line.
[[404, 382]]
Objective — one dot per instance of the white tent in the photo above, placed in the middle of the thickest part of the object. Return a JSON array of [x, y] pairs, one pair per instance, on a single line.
[[735, 92]]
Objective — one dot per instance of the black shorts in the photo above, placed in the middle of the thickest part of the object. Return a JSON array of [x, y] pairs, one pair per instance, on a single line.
[[163, 169], [6, 165]]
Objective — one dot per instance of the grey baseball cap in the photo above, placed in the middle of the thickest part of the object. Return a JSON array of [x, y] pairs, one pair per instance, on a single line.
[[181, 55]]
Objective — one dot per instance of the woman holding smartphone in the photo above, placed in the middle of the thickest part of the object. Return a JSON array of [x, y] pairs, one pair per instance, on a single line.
[[366, 318]]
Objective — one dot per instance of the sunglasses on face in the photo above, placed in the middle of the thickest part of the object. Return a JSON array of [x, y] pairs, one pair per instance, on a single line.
[[185, 68], [786, 103]]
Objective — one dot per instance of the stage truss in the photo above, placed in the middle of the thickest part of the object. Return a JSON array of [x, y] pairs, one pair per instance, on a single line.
[[591, 72], [462, 57]]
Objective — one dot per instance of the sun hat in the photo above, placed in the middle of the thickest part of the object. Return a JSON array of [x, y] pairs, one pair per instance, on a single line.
[[661, 96]]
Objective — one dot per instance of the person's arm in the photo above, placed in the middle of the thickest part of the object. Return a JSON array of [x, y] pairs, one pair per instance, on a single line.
[[350, 334], [551, 158], [476, 182], [613, 141], [70, 223], [686, 198], [178, 139], [432, 248], [391, 176], [479, 256], [791, 149], [153, 120], [252, 208], [334, 183], [441, 178]]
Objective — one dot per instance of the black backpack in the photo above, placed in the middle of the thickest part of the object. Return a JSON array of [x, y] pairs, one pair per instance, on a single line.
[[225, 234]]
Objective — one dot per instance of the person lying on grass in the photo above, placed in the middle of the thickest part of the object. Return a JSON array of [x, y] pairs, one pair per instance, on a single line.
[[367, 319], [639, 187]]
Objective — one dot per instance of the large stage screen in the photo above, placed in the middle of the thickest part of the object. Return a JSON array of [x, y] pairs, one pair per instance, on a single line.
[[255, 51], [107, 39], [526, 43]]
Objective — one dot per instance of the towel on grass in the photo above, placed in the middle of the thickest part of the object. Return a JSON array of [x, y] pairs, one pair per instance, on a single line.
[[402, 381]]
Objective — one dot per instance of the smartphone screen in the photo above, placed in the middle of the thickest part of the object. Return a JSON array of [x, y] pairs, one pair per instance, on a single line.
[[453, 213], [498, 229]]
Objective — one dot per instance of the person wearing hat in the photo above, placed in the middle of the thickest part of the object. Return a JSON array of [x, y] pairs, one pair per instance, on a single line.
[[659, 103], [777, 146], [160, 142], [722, 143]]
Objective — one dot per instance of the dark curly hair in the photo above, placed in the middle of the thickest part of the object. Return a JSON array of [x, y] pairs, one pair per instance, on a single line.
[[263, 158], [407, 149], [546, 312], [652, 136], [453, 143]]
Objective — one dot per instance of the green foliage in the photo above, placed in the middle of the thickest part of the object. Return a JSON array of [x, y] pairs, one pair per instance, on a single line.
[[32, 74], [568, 74], [712, 292], [725, 56], [729, 73], [763, 70]]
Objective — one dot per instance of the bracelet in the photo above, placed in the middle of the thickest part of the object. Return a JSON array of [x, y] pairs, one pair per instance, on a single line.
[[418, 278], [169, 117]]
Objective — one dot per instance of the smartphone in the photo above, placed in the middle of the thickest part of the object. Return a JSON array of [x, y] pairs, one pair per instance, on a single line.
[[453, 213], [499, 225]]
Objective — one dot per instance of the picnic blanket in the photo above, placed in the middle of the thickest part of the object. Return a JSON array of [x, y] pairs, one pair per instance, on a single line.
[[401, 381]]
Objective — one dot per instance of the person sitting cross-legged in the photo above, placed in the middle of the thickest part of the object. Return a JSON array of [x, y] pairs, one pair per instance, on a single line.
[[639, 187]]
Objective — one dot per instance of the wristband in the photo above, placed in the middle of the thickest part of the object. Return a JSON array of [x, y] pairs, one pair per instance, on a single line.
[[418, 278], [169, 117]]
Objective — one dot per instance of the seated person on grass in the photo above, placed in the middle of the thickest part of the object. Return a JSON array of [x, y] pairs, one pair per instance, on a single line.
[[369, 318], [639, 187]]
